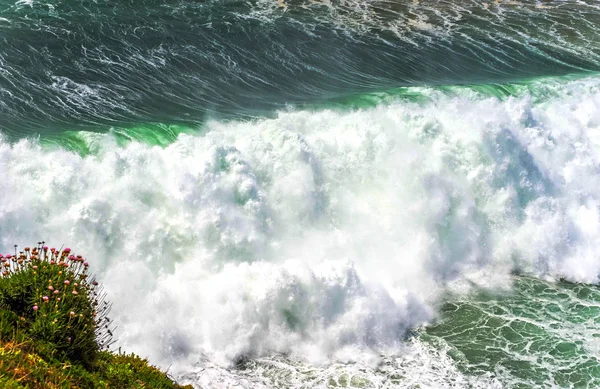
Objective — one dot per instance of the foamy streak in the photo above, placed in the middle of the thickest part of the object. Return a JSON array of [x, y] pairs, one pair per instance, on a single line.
[[419, 365], [320, 234]]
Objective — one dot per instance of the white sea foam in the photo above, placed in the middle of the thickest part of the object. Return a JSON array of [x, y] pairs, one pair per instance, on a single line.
[[321, 235]]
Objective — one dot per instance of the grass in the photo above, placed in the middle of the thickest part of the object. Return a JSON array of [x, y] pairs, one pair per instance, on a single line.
[[54, 327]]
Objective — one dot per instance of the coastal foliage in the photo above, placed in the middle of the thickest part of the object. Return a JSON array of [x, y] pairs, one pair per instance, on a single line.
[[54, 327]]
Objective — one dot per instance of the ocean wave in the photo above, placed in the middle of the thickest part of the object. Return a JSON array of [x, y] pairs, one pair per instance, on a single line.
[[325, 235]]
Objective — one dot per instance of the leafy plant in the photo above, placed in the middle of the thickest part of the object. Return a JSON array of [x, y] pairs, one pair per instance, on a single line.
[[54, 327], [52, 299]]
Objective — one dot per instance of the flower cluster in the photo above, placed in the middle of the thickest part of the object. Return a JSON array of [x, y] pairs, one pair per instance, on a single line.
[[56, 299]]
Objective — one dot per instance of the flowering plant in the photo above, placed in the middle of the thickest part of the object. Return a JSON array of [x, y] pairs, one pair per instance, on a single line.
[[48, 295]]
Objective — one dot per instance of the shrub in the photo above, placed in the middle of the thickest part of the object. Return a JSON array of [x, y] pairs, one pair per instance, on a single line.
[[54, 327], [48, 296]]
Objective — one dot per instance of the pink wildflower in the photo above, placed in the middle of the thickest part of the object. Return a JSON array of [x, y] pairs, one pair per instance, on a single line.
[[67, 282], [56, 292], [45, 298], [35, 308]]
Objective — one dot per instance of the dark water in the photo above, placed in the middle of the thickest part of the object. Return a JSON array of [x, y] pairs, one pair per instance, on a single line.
[[77, 64]]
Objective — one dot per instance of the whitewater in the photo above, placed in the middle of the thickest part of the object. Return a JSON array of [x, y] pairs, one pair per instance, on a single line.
[[316, 248]]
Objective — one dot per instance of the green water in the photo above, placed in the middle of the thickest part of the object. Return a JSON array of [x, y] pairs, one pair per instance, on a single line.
[[540, 333]]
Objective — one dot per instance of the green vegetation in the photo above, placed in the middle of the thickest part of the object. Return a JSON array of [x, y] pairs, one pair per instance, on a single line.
[[54, 327]]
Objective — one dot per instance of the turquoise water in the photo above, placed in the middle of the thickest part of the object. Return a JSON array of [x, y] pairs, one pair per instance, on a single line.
[[539, 333], [318, 194]]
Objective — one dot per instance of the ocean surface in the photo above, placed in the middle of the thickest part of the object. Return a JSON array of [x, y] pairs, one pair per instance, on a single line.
[[318, 194]]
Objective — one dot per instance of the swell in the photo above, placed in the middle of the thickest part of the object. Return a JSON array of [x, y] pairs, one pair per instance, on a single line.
[[92, 65], [93, 140]]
